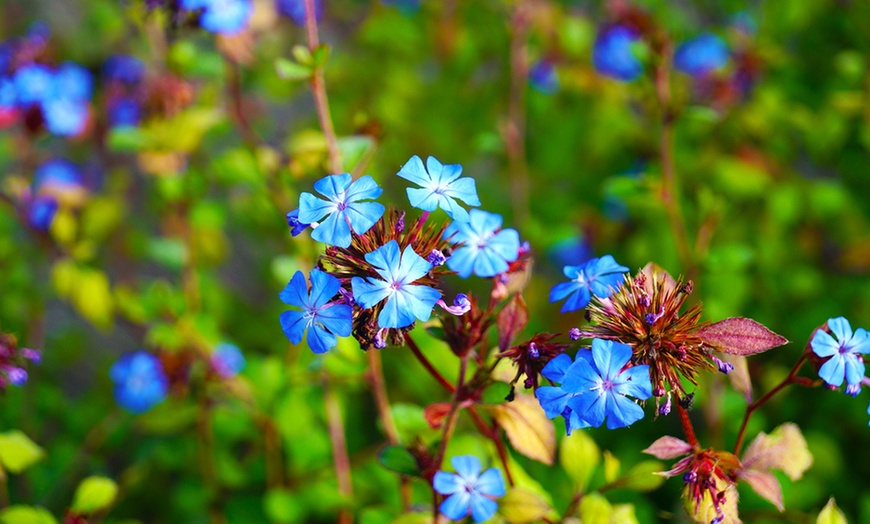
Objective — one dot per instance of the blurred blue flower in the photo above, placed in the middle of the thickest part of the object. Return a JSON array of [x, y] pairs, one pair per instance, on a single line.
[[34, 83], [543, 77], [295, 10], [701, 55], [124, 111], [405, 300], [601, 386], [441, 186], [613, 56], [73, 82], [225, 17], [599, 276], [469, 490], [323, 319], [570, 251], [64, 117], [845, 362], [123, 68], [486, 249], [553, 399], [228, 360], [140, 382], [59, 178], [39, 212], [343, 209]]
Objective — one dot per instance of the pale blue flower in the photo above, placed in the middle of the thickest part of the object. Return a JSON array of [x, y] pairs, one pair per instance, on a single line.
[[613, 56], [342, 208], [845, 362], [440, 186], [469, 490], [405, 300], [228, 360], [486, 249], [601, 386], [701, 55], [598, 276], [323, 319]]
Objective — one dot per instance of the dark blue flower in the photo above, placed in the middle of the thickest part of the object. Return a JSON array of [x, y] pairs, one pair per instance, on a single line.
[[124, 111], [343, 208], [553, 399], [601, 386], [406, 301], [845, 362], [296, 226], [228, 360], [486, 249], [701, 55], [323, 319], [295, 10], [123, 68], [543, 77], [140, 382], [440, 187], [39, 212], [469, 491], [599, 276], [612, 54], [226, 17]]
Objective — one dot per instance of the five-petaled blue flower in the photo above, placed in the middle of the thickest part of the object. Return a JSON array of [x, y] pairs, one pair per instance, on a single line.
[[440, 187], [343, 209], [323, 319], [601, 386], [701, 55], [845, 352], [598, 275], [140, 382], [405, 300], [226, 17], [469, 490], [485, 250], [554, 399], [613, 56], [228, 360]]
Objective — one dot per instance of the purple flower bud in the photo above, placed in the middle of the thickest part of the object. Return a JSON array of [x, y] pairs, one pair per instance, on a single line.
[[534, 352], [724, 367], [574, 334], [346, 297], [717, 520], [644, 299], [380, 341], [294, 223], [659, 391], [33, 355], [17, 376], [400, 223], [665, 408], [690, 477], [650, 318], [503, 278], [436, 258], [461, 305]]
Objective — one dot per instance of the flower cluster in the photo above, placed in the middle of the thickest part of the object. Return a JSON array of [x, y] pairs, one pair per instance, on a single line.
[[13, 360], [379, 275]]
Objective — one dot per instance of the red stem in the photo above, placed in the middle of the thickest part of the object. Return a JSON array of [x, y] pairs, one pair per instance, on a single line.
[[492, 433], [687, 426], [318, 89], [428, 365]]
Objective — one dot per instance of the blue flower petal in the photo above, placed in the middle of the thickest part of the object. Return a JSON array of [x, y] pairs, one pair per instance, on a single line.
[[854, 369], [412, 266], [447, 483], [337, 318], [323, 287], [553, 400], [386, 260], [397, 312], [364, 188], [635, 382], [333, 187], [293, 325], [466, 466], [590, 407], [462, 261], [456, 506], [333, 231], [834, 370], [556, 368], [824, 345], [312, 208], [369, 292], [622, 412], [320, 340], [482, 508], [491, 483], [841, 328], [295, 293]]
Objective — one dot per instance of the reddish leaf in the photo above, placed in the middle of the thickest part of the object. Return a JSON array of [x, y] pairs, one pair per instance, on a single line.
[[740, 336], [511, 320], [765, 484], [435, 413], [668, 447]]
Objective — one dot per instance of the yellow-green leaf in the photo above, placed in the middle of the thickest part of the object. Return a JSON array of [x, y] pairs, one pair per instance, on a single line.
[[18, 452], [579, 456], [611, 467], [784, 449], [92, 298], [623, 514], [94, 494], [26, 515], [528, 428], [521, 505], [595, 509], [831, 514], [642, 476]]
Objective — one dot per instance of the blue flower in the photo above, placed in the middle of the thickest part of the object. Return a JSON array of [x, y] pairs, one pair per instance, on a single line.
[[124, 111], [228, 360], [33, 84], [295, 10], [845, 351], [542, 76], [39, 212], [440, 187], [469, 490], [140, 382], [343, 209], [601, 386], [296, 226], [405, 300], [64, 117], [612, 54], [225, 17], [323, 319], [59, 178], [485, 250], [124, 68], [598, 275], [701, 55], [73, 82], [554, 399]]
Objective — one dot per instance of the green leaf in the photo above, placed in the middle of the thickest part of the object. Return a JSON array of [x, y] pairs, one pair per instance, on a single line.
[[400, 460], [289, 70], [831, 514], [18, 452], [611, 467], [302, 55], [579, 456], [595, 509], [94, 494], [521, 505], [528, 428], [321, 56], [92, 297], [127, 139], [26, 515], [282, 506], [642, 476], [496, 393]]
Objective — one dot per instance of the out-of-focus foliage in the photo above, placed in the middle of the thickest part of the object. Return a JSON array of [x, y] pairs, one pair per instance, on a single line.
[[176, 241]]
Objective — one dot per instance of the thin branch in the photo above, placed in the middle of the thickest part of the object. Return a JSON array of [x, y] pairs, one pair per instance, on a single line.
[[318, 89], [515, 131], [428, 365], [339, 447], [450, 423]]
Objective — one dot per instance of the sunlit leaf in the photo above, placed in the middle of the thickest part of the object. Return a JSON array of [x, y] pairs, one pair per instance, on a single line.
[[831, 514], [528, 428], [642, 476], [579, 456], [521, 505], [595, 509], [26, 515], [94, 494], [18, 452], [611, 467], [784, 449]]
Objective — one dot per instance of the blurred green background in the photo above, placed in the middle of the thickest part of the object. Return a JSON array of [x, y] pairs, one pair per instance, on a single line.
[[182, 241]]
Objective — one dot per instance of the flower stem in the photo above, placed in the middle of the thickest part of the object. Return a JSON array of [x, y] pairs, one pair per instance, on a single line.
[[790, 379], [339, 447], [450, 422], [415, 349], [318, 89], [688, 429], [492, 433], [515, 129]]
